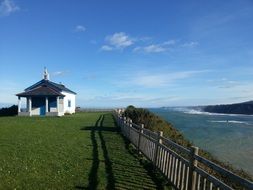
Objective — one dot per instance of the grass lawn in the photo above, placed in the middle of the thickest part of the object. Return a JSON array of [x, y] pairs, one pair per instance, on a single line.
[[82, 151]]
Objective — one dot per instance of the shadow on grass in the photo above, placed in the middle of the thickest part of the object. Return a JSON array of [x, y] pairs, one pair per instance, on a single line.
[[93, 176], [96, 135], [156, 177]]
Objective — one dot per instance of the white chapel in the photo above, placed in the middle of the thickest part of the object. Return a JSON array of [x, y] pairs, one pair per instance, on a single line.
[[47, 98]]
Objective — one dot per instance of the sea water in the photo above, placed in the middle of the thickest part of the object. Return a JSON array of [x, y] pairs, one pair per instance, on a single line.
[[228, 137]]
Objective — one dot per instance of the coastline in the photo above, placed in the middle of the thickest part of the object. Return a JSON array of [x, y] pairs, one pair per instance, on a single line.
[[213, 133]]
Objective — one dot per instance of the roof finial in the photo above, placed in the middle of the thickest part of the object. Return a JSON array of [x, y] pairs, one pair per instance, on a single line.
[[46, 74]]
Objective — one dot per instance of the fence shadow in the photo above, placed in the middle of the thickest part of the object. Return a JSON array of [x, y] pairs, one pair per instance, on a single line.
[[98, 141], [156, 177], [98, 129], [108, 163]]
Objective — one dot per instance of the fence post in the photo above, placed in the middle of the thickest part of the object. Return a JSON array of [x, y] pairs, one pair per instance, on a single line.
[[157, 143], [192, 164], [129, 128], [124, 126], [120, 121], [124, 120], [139, 139], [118, 117]]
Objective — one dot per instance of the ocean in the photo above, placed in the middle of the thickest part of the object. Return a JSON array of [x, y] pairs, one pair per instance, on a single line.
[[228, 137]]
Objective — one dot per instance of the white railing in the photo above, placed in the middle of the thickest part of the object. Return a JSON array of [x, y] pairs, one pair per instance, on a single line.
[[184, 168]]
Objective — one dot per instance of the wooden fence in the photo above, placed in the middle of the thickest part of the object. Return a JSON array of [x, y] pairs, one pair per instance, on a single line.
[[181, 166], [94, 109]]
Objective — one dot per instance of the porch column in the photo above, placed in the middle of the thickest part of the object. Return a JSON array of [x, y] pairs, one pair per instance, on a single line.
[[57, 104], [46, 104], [29, 104], [19, 104]]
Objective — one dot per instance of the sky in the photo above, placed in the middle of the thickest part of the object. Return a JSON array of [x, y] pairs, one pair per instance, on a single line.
[[114, 53]]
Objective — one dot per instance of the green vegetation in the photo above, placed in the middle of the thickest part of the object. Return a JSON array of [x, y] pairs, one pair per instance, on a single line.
[[156, 123], [10, 111], [81, 151]]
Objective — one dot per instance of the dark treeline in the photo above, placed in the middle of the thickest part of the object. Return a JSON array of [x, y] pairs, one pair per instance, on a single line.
[[239, 108], [10, 111], [156, 123]]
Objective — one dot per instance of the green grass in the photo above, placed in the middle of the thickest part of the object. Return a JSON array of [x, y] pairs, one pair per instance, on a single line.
[[82, 151]]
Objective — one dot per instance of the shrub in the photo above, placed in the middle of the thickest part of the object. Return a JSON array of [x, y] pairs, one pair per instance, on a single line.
[[10, 111]]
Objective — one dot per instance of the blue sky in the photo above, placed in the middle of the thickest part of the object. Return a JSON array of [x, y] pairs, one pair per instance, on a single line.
[[116, 53]]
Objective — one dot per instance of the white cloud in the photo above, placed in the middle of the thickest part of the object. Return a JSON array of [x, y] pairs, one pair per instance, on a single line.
[[123, 100], [162, 79], [223, 83], [106, 48], [118, 40], [228, 84], [237, 89], [169, 42], [7, 7], [154, 48], [80, 28], [190, 44], [59, 73]]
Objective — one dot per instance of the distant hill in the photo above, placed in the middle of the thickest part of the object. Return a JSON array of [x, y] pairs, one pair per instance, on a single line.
[[238, 108]]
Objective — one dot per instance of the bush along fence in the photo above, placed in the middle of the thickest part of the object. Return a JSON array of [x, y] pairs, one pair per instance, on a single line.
[[183, 167]]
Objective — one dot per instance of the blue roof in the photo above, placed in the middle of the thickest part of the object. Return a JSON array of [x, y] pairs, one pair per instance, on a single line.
[[55, 86]]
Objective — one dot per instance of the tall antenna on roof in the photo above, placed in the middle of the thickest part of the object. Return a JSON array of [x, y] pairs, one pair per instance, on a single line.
[[45, 74]]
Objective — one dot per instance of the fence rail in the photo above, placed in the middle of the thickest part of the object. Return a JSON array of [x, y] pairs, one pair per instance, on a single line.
[[181, 166], [94, 109]]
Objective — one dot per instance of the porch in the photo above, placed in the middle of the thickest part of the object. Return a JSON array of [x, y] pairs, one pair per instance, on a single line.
[[41, 105]]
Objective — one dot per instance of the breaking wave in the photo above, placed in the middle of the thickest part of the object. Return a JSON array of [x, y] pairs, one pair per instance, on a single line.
[[200, 112], [229, 121]]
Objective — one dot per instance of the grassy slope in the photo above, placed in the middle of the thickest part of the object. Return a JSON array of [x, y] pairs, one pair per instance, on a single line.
[[81, 151]]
